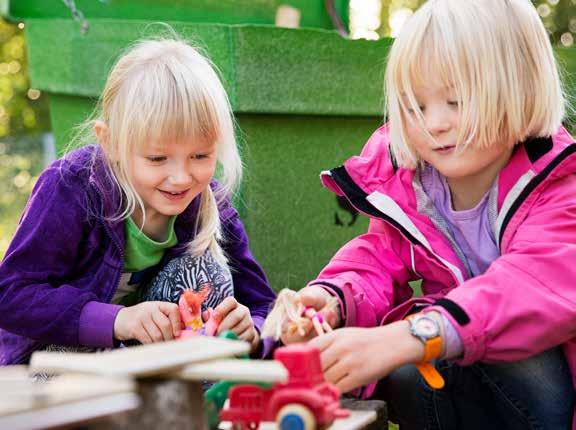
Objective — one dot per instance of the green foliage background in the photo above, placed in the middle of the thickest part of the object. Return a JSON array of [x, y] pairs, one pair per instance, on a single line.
[[24, 116], [22, 122]]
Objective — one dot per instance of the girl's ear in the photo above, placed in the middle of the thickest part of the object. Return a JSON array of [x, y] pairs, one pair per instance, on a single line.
[[101, 132]]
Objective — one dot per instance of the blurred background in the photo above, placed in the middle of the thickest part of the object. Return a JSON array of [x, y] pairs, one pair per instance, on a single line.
[[26, 141]]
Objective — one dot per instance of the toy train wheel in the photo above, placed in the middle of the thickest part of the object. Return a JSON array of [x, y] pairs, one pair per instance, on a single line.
[[295, 417]]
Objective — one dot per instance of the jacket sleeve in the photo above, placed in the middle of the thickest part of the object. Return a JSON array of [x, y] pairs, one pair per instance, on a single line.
[[525, 302], [34, 300], [251, 287], [370, 276]]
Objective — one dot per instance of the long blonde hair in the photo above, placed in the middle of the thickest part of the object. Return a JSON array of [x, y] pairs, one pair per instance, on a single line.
[[165, 89], [497, 56]]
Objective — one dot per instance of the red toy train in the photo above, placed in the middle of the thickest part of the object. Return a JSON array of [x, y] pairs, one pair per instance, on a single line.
[[305, 402]]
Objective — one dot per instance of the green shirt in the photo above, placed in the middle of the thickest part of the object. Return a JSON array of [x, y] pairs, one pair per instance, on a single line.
[[142, 252]]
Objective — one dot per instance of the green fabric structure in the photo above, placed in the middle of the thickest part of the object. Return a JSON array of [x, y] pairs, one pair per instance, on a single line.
[[312, 12]]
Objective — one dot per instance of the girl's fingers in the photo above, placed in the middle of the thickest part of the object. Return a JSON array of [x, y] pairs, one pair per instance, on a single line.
[[162, 322], [312, 297], [230, 321], [153, 332], [242, 325], [226, 306], [142, 334], [323, 342], [330, 354], [247, 334], [171, 311], [336, 373], [330, 317], [346, 384]]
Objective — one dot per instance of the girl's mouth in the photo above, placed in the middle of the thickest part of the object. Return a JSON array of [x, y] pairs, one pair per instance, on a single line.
[[174, 195], [445, 149]]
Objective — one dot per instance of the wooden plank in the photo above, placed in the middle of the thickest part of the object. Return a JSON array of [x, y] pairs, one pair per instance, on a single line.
[[235, 370], [140, 361], [65, 400], [356, 421], [70, 414]]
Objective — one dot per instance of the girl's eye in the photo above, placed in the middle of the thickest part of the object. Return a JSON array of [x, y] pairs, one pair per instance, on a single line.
[[199, 156], [454, 103], [412, 111], [156, 159]]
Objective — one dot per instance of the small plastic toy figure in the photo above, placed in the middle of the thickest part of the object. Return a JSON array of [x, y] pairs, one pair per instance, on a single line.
[[190, 306], [320, 324], [288, 308]]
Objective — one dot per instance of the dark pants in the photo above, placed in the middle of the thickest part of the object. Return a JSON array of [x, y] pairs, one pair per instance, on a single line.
[[536, 393]]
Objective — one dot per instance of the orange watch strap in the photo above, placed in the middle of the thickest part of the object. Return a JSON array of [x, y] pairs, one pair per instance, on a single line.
[[432, 349], [430, 375]]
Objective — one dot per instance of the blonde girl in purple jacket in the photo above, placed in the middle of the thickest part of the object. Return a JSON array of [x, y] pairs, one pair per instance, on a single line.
[[114, 232], [470, 188]]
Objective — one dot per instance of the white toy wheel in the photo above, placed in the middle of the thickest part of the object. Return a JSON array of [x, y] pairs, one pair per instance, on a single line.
[[294, 416]]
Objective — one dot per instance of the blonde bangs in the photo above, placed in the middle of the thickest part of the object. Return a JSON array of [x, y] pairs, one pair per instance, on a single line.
[[163, 104], [426, 53], [429, 51]]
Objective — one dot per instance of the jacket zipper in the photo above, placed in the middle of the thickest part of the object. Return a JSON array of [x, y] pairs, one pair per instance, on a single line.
[[358, 199]]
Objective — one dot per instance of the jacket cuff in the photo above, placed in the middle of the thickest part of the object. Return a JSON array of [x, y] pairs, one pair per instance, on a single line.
[[267, 345], [345, 300], [258, 322], [96, 325], [266, 348], [474, 344]]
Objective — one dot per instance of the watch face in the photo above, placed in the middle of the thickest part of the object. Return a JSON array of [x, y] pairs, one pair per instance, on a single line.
[[426, 327]]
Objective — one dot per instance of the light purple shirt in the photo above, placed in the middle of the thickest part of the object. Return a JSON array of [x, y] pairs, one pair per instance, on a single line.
[[470, 230]]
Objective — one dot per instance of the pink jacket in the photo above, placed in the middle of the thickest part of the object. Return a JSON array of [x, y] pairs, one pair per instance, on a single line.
[[523, 304]]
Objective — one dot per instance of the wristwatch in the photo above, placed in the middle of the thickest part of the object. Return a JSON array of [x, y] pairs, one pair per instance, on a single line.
[[427, 330]]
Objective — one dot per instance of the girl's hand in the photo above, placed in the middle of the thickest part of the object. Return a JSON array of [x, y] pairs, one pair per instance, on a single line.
[[316, 298], [148, 322], [236, 318], [353, 357]]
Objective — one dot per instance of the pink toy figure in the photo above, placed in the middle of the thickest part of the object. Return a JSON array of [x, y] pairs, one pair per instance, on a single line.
[[212, 323], [190, 306], [289, 314]]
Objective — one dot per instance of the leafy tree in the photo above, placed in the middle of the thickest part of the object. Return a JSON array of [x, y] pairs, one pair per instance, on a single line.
[[559, 17], [23, 117]]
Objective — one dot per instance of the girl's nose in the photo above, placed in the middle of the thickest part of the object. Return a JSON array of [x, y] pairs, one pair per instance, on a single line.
[[180, 176], [437, 121]]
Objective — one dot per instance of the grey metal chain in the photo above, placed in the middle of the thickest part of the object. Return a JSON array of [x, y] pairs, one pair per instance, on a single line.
[[78, 15]]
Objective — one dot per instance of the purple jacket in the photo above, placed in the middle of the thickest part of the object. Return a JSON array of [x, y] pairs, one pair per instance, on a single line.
[[64, 263]]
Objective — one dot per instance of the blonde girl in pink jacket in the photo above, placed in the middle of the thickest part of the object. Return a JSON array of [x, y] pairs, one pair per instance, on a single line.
[[470, 188]]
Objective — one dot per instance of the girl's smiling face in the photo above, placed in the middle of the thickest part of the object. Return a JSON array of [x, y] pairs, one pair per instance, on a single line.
[[168, 175]]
